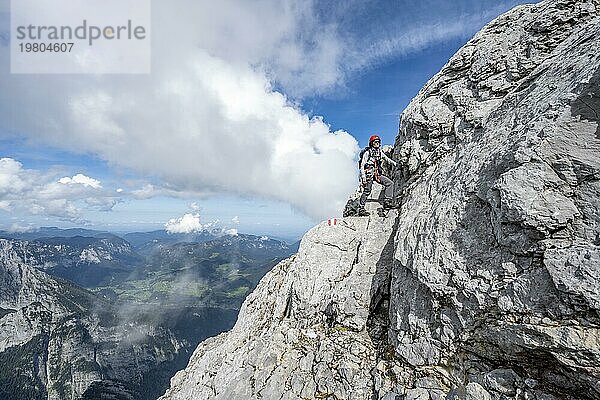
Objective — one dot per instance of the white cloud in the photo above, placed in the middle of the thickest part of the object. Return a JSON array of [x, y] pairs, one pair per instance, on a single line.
[[37, 193], [81, 179], [208, 118], [12, 180], [227, 131], [235, 220], [102, 203], [189, 223], [19, 228], [231, 232], [149, 190], [146, 192]]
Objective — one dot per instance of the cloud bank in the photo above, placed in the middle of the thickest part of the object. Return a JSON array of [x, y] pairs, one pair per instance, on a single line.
[[220, 111], [81, 179], [188, 223], [38, 193], [191, 223]]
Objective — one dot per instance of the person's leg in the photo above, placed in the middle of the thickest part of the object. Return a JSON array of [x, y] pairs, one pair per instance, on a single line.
[[388, 184], [366, 192]]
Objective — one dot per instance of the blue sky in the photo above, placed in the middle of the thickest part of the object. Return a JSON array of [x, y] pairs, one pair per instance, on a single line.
[[231, 137]]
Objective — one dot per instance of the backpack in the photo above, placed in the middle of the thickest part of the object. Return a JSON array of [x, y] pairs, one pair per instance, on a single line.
[[362, 153]]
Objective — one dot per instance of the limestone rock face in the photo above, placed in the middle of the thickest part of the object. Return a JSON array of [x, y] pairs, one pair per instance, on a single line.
[[496, 251], [485, 283], [303, 332]]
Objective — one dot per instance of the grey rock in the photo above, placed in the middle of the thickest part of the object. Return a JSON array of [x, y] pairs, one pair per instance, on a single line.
[[476, 392], [472, 391], [303, 332], [574, 271], [504, 381], [498, 254], [417, 394]]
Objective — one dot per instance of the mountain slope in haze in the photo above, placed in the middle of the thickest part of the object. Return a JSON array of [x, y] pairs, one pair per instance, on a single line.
[[60, 341], [219, 272], [52, 232], [148, 243], [87, 261], [208, 268]]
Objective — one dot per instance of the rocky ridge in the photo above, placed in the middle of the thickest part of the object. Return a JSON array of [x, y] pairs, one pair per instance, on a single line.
[[484, 284], [312, 340]]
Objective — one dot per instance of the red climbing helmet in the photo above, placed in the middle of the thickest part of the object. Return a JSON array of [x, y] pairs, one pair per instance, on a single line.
[[374, 138]]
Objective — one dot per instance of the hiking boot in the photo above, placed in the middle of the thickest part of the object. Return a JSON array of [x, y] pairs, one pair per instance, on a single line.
[[362, 212]]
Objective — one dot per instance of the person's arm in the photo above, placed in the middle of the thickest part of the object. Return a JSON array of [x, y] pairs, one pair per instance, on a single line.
[[388, 159]]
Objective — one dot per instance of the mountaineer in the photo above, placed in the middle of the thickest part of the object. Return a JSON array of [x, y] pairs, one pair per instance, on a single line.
[[370, 170]]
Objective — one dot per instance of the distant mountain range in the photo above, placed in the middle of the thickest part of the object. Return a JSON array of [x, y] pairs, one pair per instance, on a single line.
[[143, 240], [95, 259], [58, 340], [149, 299], [87, 261], [46, 232]]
